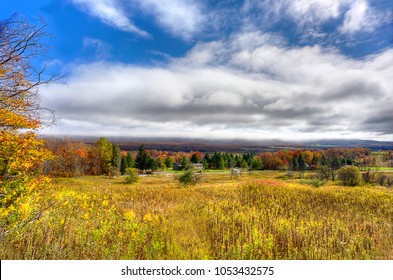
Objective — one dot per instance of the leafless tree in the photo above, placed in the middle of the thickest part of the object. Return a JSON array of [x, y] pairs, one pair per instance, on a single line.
[[22, 51]]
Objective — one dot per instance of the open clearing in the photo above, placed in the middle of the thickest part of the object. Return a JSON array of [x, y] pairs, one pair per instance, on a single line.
[[259, 215]]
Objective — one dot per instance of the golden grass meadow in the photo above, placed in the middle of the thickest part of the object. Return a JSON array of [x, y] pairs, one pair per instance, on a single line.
[[258, 215]]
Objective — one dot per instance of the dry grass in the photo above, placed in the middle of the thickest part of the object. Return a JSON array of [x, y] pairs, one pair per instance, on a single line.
[[255, 216]]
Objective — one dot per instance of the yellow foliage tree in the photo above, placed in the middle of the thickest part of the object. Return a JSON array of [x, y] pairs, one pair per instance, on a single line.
[[21, 152]]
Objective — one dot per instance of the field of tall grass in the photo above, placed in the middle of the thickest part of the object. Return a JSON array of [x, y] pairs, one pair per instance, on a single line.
[[253, 216]]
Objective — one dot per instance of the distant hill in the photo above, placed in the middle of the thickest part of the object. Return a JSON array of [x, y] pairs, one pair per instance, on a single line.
[[233, 145]]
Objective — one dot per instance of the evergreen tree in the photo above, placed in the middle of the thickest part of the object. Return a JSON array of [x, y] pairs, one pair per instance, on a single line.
[[194, 158], [238, 161], [336, 164], [244, 164], [141, 158], [230, 162], [123, 165], [169, 162], [295, 164], [249, 157], [130, 160], [257, 164], [151, 164], [215, 161], [207, 159], [221, 163], [115, 161], [302, 163], [185, 164], [205, 164], [324, 161]]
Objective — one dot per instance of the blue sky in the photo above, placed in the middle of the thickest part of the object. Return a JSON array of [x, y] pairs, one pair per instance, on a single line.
[[287, 69]]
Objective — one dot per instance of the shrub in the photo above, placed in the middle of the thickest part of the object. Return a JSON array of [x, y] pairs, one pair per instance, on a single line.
[[349, 175], [317, 182], [384, 180], [189, 178], [368, 177], [324, 173], [132, 175], [389, 181], [113, 172]]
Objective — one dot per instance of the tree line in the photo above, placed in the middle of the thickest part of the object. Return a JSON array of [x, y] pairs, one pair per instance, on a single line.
[[105, 158]]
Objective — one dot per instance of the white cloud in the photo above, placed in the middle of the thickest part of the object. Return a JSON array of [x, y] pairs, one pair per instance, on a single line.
[[110, 12], [259, 90], [182, 18], [310, 15], [362, 17], [302, 12]]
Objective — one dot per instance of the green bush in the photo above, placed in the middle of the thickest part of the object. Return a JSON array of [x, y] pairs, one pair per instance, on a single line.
[[349, 175], [131, 175], [315, 182], [189, 178]]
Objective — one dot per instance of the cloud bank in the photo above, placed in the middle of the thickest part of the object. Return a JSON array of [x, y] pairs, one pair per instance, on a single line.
[[251, 85]]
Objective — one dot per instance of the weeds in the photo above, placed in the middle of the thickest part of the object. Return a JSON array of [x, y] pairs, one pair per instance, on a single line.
[[255, 217]]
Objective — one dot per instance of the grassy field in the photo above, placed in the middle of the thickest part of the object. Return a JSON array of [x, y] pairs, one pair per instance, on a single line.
[[254, 216], [381, 168]]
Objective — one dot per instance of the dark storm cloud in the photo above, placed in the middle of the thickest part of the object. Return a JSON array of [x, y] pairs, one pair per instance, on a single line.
[[355, 90], [381, 122]]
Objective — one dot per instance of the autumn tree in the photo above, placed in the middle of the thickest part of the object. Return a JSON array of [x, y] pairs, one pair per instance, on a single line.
[[314, 162], [161, 163], [71, 158], [21, 152], [105, 150]]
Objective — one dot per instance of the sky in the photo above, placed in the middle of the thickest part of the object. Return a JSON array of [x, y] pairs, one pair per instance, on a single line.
[[233, 69]]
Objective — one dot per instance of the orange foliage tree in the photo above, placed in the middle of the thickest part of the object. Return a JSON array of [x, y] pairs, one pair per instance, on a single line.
[[21, 152]]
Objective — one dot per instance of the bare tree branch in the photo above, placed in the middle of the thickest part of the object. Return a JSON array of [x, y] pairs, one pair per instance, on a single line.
[[21, 43]]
